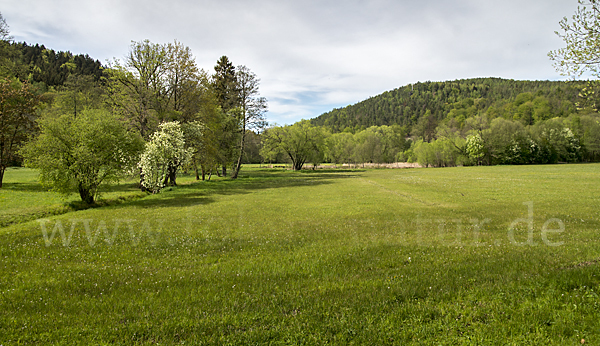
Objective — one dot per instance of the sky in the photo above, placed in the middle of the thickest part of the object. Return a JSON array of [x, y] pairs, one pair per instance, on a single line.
[[312, 56]]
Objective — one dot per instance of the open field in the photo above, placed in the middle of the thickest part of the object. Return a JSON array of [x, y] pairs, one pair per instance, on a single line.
[[411, 256]]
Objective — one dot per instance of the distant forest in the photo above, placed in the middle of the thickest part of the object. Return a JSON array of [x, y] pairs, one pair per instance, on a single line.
[[456, 101], [46, 67]]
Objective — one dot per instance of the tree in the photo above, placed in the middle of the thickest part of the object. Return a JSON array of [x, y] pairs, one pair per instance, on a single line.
[[296, 141], [504, 142], [225, 84], [4, 30], [340, 147], [582, 38], [252, 108], [475, 148], [212, 118], [132, 99], [591, 137], [368, 146], [558, 142], [424, 153], [9, 55], [157, 83], [79, 92], [228, 134], [225, 88], [18, 105], [185, 84], [82, 153], [164, 154]]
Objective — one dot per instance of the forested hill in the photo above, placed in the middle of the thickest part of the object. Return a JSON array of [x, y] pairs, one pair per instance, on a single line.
[[527, 101], [48, 67]]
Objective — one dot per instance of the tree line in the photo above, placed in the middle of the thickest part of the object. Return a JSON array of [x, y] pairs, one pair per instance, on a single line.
[[150, 114], [483, 140]]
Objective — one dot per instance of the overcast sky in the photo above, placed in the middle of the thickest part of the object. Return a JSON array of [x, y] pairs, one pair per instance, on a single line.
[[312, 56]]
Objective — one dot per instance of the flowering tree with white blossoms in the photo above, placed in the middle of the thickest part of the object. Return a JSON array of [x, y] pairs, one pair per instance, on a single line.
[[163, 156], [475, 148]]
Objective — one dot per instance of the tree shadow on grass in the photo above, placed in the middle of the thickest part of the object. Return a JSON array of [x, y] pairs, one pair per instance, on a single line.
[[29, 187], [201, 192]]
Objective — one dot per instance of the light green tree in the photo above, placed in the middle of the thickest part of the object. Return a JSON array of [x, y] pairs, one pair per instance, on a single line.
[[368, 146], [591, 136], [340, 147], [82, 153], [424, 153], [296, 141], [252, 109], [582, 37], [156, 83], [582, 52], [504, 140]]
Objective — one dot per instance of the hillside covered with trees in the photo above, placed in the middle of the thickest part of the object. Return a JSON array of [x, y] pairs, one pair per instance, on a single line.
[[527, 101]]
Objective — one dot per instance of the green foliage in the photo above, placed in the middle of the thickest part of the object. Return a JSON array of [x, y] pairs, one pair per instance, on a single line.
[[18, 107], [157, 83], [225, 84], [300, 142], [82, 153], [582, 39], [252, 109], [340, 147], [442, 152], [51, 68], [431, 104], [589, 132]]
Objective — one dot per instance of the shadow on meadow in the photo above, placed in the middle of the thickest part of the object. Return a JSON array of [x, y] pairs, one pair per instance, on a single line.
[[24, 187], [200, 192], [184, 195]]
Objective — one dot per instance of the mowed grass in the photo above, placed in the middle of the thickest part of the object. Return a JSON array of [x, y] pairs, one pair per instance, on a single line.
[[414, 256]]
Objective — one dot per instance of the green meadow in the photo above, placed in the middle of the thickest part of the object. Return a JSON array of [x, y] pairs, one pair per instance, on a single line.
[[504, 255]]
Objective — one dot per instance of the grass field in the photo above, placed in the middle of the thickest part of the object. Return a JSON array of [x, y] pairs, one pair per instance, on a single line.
[[504, 255]]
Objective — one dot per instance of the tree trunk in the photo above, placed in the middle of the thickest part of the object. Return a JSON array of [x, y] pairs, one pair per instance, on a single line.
[[173, 176], [196, 171], [236, 170], [86, 195], [224, 170], [166, 181], [141, 186], [298, 165], [203, 172], [2, 169]]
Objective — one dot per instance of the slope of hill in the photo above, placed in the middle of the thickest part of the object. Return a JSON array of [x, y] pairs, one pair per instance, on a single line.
[[527, 101], [46, 66]]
